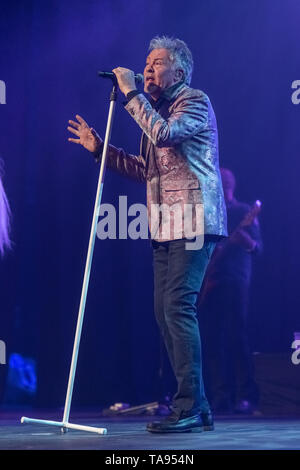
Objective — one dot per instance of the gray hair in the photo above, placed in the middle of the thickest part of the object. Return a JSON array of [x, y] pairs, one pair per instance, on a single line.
[[4, 219], [179, 53]]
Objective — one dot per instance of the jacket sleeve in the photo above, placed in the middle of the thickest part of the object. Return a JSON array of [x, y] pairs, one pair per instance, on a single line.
[[129, 165], [189, 116]]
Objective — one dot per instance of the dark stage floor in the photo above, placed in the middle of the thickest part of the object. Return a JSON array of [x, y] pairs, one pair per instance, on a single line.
[[128, 433]]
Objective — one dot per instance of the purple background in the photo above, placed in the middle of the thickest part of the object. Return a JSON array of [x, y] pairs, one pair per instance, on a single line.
[[246, 56]]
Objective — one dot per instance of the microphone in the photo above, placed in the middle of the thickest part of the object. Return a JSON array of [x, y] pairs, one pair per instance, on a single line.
[[139, 77]]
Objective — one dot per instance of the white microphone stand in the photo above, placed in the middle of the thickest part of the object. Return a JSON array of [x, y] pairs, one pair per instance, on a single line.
[[64, 424]]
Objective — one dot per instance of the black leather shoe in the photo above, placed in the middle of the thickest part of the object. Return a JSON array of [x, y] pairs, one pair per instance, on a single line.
[[177, 423], [207, 421]]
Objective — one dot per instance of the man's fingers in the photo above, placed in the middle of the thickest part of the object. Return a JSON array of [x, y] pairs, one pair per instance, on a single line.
[[74, 124], [81, 120], [76, 141], [74, 131], [92, 130]]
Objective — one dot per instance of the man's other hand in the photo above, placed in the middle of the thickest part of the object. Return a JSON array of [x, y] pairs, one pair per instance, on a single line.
[[87, 136], [242, 238]]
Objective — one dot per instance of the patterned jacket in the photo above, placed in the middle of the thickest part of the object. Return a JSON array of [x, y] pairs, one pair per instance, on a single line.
[[179, 162]]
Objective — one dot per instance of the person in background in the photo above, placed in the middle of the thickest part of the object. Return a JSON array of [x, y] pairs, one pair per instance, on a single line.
[[5, 213], [5, 244], [223, 305]]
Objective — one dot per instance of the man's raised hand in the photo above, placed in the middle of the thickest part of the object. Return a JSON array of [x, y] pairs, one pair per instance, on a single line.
[[87, 136]]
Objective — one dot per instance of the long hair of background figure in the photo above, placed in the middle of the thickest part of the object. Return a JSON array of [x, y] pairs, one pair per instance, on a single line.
[[4, 217]]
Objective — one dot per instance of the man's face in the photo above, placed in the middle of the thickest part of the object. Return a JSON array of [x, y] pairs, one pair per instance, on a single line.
[[159, 73]]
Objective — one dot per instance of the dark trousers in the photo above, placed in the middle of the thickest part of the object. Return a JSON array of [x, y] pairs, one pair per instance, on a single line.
[[178, 275], [228, 367]]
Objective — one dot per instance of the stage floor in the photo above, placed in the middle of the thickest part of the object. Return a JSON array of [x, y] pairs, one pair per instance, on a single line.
[[128, 433]]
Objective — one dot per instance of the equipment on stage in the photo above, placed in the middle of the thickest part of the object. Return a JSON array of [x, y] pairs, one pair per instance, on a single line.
[[64, 424], [124, 409], [278, 381], [21, 382]]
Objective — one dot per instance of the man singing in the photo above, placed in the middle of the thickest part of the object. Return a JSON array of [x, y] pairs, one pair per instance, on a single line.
[[179, 162]]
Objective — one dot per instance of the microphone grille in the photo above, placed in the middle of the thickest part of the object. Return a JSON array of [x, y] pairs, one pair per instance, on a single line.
[[139, 78]]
